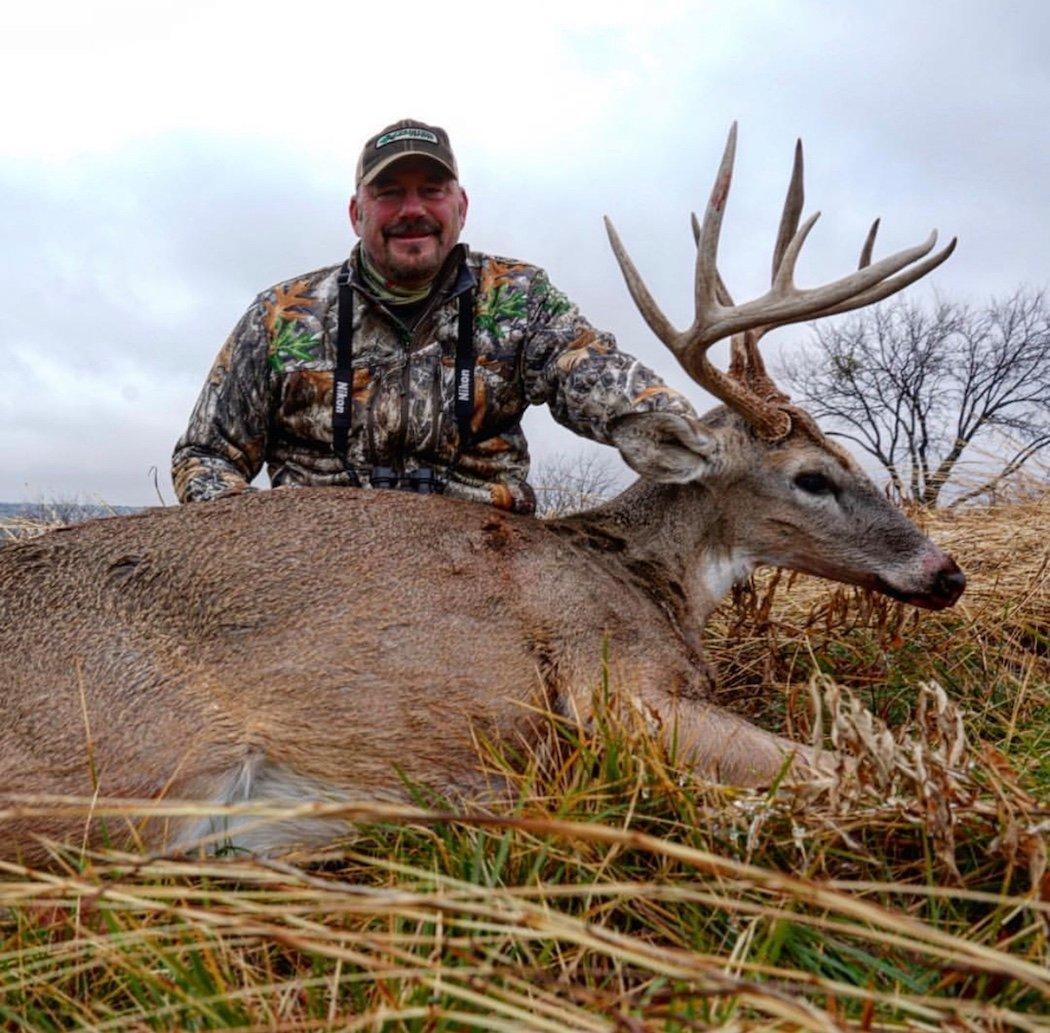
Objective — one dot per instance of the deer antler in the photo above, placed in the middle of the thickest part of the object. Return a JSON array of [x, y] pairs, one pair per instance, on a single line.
[[748, 389]]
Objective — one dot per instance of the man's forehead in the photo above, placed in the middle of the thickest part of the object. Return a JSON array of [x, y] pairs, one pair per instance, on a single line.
[[412, 167]]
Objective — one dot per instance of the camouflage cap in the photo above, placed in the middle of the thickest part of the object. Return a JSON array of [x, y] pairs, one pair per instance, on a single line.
[[401, 140]]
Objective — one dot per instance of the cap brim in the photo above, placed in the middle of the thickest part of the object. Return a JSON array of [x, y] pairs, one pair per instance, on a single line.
[[393, 159]]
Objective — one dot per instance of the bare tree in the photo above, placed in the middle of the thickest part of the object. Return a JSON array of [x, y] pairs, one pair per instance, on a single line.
[[916, 387], [571, 482]]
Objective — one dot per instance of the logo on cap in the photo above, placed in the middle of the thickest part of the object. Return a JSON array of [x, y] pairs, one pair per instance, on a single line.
[[403, 139], [406, 134]]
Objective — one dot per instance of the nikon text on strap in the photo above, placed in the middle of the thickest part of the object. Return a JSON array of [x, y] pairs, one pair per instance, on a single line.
[[465, 369]]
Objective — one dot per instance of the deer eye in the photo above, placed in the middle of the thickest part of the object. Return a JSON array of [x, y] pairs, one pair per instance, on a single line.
[[814, 483]]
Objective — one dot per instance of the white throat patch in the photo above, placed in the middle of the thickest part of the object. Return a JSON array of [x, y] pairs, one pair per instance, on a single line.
[[717, 572]]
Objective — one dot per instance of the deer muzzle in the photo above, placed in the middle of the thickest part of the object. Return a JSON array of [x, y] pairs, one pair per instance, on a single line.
[[943, 583]]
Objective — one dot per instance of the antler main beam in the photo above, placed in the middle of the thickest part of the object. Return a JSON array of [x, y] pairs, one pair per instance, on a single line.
[[784, 303]]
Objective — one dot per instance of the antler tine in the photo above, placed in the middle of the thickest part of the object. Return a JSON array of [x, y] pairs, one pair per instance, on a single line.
[[793, 203], [869, 244], [714, 303], [746, 356], [784, 277], [888, 286], [788, 229], [658, 322], [707, 277], [722, 291], [742, 353]]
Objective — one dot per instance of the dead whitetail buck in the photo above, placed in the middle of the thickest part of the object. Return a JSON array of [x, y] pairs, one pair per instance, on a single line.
[[327, 644]]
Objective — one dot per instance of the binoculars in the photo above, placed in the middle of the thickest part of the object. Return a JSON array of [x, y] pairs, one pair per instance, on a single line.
[[423, 481]]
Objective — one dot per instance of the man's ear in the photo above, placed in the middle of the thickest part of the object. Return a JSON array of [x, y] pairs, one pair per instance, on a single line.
[[464, 204], [355, 214], [664, 446]]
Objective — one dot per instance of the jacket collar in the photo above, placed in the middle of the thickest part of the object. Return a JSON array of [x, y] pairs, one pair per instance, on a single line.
[[455, 276]]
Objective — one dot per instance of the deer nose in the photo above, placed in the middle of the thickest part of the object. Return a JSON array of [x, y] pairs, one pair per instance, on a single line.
[[948, 582]]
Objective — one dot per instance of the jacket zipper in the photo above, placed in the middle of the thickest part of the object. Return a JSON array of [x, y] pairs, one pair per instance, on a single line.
[[411, 342], [407, 339]]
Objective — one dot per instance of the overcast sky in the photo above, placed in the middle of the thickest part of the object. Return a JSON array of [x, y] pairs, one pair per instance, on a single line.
[[162, 162]]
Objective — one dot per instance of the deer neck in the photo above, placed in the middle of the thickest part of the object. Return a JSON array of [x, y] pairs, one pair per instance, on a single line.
[[675, 541]]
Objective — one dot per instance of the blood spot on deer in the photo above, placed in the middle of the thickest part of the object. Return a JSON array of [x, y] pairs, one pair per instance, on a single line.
[[498, 534]]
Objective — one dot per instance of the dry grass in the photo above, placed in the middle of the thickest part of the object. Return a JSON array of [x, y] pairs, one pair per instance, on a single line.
[[621, 893], [12, 528]]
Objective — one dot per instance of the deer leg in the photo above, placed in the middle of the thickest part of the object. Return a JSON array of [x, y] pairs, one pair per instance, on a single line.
[[718, 744], [726, 748]]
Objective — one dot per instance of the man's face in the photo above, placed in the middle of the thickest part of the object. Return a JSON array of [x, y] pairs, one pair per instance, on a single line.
[[409, 219]]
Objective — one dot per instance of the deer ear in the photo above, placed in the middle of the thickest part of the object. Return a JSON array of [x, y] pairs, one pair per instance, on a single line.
[[664, 446]]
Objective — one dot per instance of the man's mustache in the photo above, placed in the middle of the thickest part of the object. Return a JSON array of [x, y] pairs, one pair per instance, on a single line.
[[412, 228]]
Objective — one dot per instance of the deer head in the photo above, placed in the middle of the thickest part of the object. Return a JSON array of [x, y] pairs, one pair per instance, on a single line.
[[783, 493]]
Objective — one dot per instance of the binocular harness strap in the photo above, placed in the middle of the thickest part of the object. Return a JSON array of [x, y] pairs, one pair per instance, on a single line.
[[342, 389], [465, 370]]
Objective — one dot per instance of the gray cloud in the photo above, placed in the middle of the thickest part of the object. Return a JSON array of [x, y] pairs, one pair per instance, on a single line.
[[126, 266]]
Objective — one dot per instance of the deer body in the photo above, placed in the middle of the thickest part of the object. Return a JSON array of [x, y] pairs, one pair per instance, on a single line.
[[194, 652], [331, 643]]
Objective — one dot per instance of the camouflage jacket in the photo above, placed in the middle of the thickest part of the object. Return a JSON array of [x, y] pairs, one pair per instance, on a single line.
[[268, 397]]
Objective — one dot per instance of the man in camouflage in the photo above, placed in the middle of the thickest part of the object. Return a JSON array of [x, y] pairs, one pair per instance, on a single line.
[[269, 395]]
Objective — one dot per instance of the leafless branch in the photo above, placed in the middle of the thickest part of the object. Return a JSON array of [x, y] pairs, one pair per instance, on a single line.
[[916, 386], [569, 483]]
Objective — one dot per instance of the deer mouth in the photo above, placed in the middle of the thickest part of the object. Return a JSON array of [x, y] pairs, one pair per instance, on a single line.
[[946, 586]]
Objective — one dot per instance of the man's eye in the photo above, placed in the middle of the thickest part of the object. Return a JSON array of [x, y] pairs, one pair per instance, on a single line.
[[814, 483]]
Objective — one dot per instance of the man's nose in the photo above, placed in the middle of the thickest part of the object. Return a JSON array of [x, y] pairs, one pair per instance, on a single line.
[[412, 203]]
